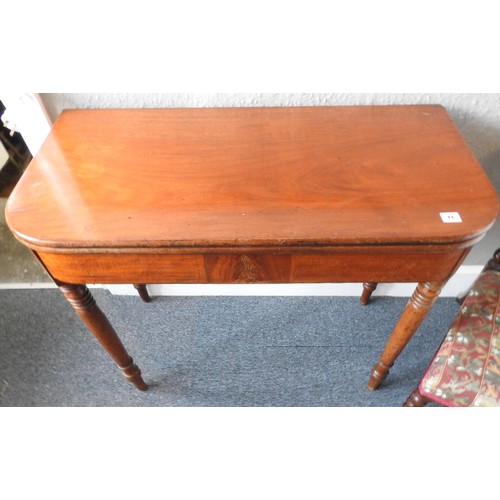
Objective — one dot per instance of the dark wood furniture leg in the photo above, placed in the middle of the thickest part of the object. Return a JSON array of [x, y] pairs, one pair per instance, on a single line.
[[85, 306], [368, 289], [415, 400], [419, 305], [143, 292]]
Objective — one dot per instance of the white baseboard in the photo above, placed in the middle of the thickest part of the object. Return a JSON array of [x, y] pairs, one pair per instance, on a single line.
[[456, 286]]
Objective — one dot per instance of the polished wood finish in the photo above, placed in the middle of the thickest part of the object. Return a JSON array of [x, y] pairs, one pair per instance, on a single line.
[[251, 176], [415, 400], [85, 306], [256, 195], [368, 289], [419, 305], [382, 264], [143, 293]]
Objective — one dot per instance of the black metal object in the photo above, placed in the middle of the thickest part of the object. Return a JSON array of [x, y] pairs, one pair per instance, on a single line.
[[18, 152]]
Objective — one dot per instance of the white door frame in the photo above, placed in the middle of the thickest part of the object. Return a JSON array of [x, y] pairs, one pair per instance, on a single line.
[[26, 114]]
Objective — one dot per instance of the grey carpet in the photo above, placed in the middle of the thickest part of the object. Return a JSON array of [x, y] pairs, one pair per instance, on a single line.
[[210, 351], [17, 263]]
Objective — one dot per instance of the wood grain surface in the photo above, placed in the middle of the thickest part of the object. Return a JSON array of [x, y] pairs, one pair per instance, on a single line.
[[268, 177], [252, 195], [390, 266]]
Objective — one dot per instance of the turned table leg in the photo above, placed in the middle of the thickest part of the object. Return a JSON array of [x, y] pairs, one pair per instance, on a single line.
[[419, 305], [368, 289], [85, 306], [143, 293]]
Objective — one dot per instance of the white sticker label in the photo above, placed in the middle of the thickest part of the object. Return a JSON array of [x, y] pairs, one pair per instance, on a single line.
[[451, 217]]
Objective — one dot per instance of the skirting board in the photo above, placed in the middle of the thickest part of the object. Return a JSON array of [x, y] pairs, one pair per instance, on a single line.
[[456, 286]]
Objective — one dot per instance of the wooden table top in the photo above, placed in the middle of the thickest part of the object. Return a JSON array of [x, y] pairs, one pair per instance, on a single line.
[[251, 177]]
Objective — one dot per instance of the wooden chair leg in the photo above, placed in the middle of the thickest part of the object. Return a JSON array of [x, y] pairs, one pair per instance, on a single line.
[[416, 399], [143, 292], [368, 289]]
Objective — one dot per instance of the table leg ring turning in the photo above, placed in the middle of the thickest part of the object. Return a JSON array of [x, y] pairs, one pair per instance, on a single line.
[[321, 231], [84, 304], [133, 374], [378, 374]]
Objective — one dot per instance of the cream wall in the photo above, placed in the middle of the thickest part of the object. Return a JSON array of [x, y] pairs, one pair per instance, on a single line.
[[476, 115]]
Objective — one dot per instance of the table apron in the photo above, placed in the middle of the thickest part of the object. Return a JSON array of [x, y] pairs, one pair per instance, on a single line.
[[117, 268]]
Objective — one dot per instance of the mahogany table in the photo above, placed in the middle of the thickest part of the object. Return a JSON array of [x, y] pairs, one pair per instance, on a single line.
[[253, 195]]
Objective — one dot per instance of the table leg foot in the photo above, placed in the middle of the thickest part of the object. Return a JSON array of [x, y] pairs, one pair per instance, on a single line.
[[133, 374], [419, 305], [378, 374], [415, 400], [368, 289], [143, 293], [85, 306]]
